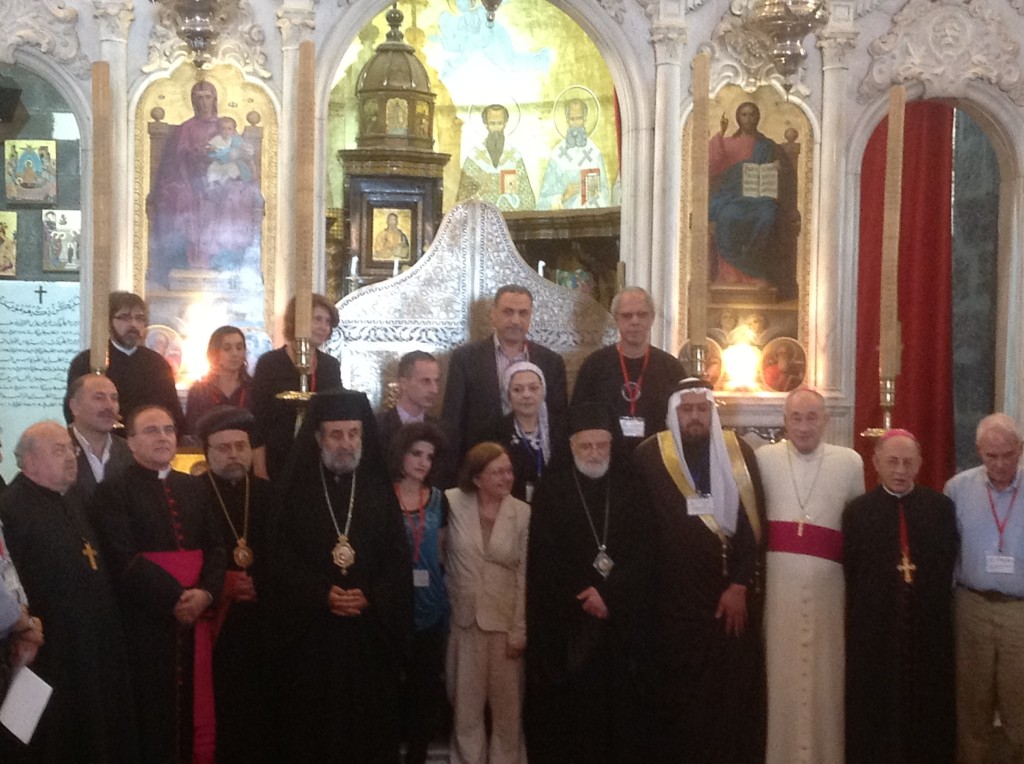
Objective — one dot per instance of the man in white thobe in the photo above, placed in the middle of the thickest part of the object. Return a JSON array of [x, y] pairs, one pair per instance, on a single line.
[[807, 483]]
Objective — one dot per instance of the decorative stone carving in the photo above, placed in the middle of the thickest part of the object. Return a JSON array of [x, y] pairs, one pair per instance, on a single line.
[[444, 301], [945, 45], [668, 41], [614, 8], [296, 24], [239, 43], [48, 25], [834, 47], [740, 57], [115, 17]]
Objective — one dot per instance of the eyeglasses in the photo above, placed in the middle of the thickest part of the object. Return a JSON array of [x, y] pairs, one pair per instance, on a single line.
[[643, 315], [601, 447]]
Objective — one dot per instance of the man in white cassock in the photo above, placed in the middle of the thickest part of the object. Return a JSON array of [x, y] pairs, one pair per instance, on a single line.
[[806, 483]]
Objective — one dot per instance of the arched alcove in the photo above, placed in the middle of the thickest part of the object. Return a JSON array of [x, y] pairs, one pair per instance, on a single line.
[[631, 71], [980, 254], [44, 239]]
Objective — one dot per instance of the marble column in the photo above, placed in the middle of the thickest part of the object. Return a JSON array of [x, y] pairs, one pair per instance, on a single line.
[[832, 278], [668, 35], [114, 19], [296, 22]]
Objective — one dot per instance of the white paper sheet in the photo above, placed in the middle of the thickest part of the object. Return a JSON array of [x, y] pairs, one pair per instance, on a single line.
[[26, 699]]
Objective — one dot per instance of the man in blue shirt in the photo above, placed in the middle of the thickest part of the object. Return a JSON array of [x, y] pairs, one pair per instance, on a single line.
[[989, 599]]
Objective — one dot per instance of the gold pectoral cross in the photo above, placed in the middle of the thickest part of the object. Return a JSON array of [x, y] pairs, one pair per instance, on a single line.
[[907, 568], [88, 551]]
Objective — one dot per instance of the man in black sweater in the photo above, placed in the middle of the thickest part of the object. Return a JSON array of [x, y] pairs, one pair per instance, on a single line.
[[141, 375]]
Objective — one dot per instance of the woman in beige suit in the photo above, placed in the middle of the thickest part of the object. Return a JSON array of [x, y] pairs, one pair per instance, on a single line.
[[486, 551]]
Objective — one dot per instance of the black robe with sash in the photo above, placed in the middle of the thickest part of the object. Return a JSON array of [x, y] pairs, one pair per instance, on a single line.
[[89, 717], [900, 668], [133, 517], [711, 704], [242, 649], [582, 694]]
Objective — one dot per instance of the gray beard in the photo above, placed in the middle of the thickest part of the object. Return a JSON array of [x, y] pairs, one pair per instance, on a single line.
[[495, 145], [344, 469], [576, 137], [594, 472]]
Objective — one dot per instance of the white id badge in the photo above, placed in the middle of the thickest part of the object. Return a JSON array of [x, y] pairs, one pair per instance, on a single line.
[[999, 563], [631, 426], [420, 578], [700, 505]]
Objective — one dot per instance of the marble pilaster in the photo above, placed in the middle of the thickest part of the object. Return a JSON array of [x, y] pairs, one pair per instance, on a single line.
[[115, 18], [668, 35]]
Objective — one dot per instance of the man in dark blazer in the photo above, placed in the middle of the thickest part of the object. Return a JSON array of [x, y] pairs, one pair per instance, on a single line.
[[472, 397], [94, 406], [419, 385]]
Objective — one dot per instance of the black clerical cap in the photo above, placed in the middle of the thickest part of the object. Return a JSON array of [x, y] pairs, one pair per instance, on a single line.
[[693, 383], [224, 418], [590, 416], [339, 405]]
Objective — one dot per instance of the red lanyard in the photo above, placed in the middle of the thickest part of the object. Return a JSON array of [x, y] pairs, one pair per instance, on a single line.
[[632, 389], [1001, 526], [418, 528]]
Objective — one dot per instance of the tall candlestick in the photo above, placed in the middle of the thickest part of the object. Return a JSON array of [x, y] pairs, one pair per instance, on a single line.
[[889, 327], [305, 107], [102, 140], [700, 131]]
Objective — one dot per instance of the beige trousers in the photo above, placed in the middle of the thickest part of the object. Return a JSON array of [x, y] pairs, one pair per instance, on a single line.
[[480, 674], [989, 674]]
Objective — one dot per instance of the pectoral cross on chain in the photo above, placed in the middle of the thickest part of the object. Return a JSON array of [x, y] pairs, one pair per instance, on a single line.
[[90, 552], [907, 568]]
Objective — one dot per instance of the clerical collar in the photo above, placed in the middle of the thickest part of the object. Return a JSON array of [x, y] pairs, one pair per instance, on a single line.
[[162, 474], [123, 349], [899, 495]]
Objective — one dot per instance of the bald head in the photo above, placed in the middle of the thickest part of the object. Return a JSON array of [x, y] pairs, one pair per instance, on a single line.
[[94, 404], [897, 460], [46, 457], [805, 418]]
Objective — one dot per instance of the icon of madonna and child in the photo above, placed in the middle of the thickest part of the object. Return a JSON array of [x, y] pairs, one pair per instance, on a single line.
[[205, 207]]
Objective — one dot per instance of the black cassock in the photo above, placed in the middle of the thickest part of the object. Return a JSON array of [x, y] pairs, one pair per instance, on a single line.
[[900, 670], [709, 686], [339, 675], [89, 717], [132, 515], [242, 652], [583, 702]]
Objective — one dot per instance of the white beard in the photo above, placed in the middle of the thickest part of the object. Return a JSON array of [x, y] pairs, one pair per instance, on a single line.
[[348, 466], [592, 471]]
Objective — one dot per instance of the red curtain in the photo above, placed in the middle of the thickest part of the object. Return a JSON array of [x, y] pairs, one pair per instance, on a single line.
[[924, 387]]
